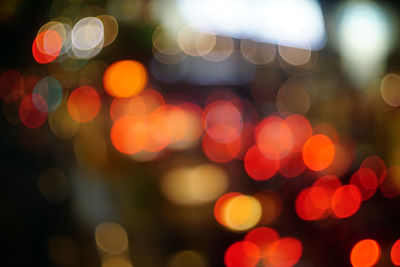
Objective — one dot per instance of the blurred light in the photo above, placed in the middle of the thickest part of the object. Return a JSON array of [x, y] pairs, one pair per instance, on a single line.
[[111, 238], [364, 39], [63, 251], [222, 121], [187, 258], [292, 165], [329, 183], [390, 89], [292, 99], [64, 32], [53, 185], [257, 53], [221, 152], [46, 46], [377, 165], [346, 201], [301, 130], [366, 181], [116, 261], [295, 56], [125, 78], [222, 49], [345, 152], [30, 115], [220, 205], [310, 205], [297, 23], [110, 28], [195, 185], [129, 135], [194, 127], [242, 212], [365, 253], [87, 33], [285, 252], [242, 254], [61, 124], [83, 104], [258, 166], [318, 152], [274, 137], [195, 43], [139, 106], [50, 90], [395, 253], [263, 238]]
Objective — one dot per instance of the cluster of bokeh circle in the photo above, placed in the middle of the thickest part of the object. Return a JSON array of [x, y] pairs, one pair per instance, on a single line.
[[227, 128]]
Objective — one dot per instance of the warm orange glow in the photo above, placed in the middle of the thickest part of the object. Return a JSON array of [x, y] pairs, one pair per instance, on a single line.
[[83, 104], [285, 252], [258, 166], [365, 253], [346, 201], [242, 254], [46, 46], [262, 237], [274, 137], [242, 213], [129, 135], [125, 78], [318, 152], [219, 207], [395, 253]]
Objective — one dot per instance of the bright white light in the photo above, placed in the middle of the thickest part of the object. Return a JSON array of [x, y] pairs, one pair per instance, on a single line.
[[364, 32], [364, 40], [87, 33], [294, 23]]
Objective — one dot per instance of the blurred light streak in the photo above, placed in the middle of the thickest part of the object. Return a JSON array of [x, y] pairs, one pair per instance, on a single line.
[[295, 23]]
